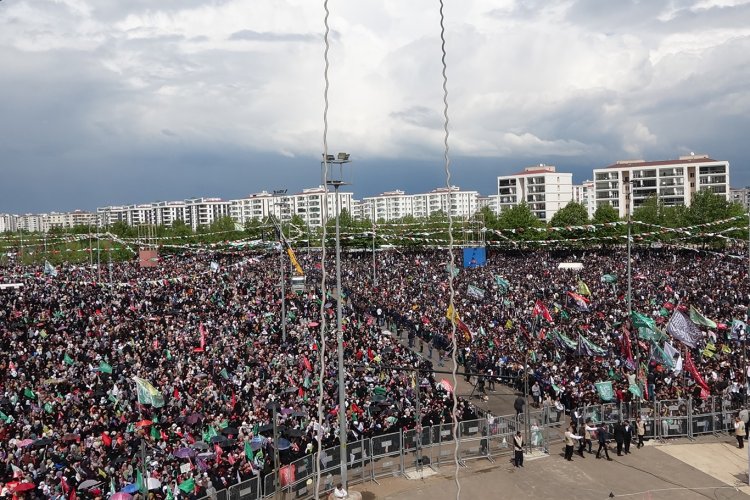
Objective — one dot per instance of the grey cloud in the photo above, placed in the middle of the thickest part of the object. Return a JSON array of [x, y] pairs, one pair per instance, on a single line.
[[257, 36], [420, 116]]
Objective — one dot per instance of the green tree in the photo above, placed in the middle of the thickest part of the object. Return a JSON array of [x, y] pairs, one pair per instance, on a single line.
[[606, 213], [572, 214], [521, 219]]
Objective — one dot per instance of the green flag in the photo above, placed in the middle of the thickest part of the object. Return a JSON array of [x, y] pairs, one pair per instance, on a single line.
[[248, 451], [651, 335], [636, 390], [104, 367], [187, 486], [224, 374], [67, 359], [699, 319], [6, 418], [139, 481], [605, 390], [609, 278], [642, 321], [148, 394], [48, 408], [154, 433], [169, 355], [29, 393]]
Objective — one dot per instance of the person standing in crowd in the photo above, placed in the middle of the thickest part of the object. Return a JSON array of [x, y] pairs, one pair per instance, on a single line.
[[518, 405], [340, 492], [602, 436], [518, 445], [570, 439], [640, 427], [739, 431]]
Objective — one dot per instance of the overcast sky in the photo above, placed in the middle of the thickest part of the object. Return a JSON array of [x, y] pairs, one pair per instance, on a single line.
[[112, 102]]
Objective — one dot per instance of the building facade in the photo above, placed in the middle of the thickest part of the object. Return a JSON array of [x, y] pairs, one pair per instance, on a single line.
[[674, 182], [741, 196], [584, 194], [543, 189]]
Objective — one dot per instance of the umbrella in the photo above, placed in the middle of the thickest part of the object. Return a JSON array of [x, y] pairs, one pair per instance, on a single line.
[[287, 411], [312, 324], [299, 414], [143, 423], [88, 484], [294, 433], [193, 418], [24, 487], [284, 444], [129, 488], [41, 443], [265, 428], [184, 453], [199, 445], [218, 439], [230, 431], [289, 390], [153, 483], [24, 443], [207, 454], [121, 495], [257, 443]]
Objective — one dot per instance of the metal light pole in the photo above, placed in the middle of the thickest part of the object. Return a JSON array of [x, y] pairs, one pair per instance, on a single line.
[[281, 206], [340, 160], [630, 280], [374, 276]]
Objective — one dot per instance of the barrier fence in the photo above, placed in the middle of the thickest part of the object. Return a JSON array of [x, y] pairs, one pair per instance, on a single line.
[[486, 438]]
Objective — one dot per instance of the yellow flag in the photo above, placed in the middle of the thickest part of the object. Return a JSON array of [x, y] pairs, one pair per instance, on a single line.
[[451, 313], [293, 258], [583, 289]]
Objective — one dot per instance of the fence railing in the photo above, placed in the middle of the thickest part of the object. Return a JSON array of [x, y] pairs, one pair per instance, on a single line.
[[669, 418], [486, 438]]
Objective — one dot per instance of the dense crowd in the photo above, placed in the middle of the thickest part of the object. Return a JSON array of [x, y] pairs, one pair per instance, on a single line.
[[205, 330]]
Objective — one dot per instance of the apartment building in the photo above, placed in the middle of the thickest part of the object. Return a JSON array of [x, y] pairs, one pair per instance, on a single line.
[[741, 196], [310, 203], [543, 189], [584, 194], [674, 182]]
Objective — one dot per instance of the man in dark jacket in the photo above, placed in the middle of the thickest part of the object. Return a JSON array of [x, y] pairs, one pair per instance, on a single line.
[[619, 433], [628, 427], [602, 435]]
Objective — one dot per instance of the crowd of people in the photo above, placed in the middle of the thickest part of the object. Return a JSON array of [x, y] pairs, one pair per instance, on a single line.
[[205, 331]]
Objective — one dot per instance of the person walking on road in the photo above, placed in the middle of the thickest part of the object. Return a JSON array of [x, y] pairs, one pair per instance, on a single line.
[[739, 431], [602, 436], [619, 434], [628, 436], [518, 445], [570, 439], [519, 403], [640, 428]]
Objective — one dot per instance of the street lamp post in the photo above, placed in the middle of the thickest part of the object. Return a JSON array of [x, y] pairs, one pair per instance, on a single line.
[[340, 160], [281, 206], [630, 280], [374, 276]]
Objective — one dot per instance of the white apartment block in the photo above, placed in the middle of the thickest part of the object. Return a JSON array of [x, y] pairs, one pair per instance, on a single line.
[[672, 181], [66, 220], [8, 223], [255, 207], [387, 206], [310, 202], [543, 189], [492, 202], [460, 204], [741, 196], [34, 223], [584, 194], [205, 211]]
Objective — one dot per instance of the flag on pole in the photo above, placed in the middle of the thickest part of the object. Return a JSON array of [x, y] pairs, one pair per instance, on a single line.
[[224, 374], [583, 289], [609, 278], [68, 360], [475, 292], [605, 390], [187, 486], [588, 348], [104, 367], [49, 269], [581, 301], [214, 267], [541, 310], [248, 451], [502, 283], [451, 313], [693, 371], [202, 330], [699, 319], [684, 330], [446, 385], [293, 260], [738, 329], [147, 393], [642, 321]]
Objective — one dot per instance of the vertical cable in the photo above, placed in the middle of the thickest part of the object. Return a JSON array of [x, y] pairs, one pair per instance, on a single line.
[[323, 289], [447, 164]]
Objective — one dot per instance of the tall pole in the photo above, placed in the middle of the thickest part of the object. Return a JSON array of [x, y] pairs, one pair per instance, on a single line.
[[276, 463], [340, 339], [283, 286], [98, 256], [374, 276], [630, 280]]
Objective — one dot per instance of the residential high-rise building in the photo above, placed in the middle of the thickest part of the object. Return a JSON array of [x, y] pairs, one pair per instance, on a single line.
[[584, 194], [741, 196], [543, 189], [674, 182]]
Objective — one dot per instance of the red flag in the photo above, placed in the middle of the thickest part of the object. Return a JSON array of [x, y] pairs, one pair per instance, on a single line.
[[626, 346], [156, 343], [176, 394], [287, 475], [202, 329], [690, 367], [306, 362], [230, 458], [106, 440], [219, 452], [233, 401], [541, 310]]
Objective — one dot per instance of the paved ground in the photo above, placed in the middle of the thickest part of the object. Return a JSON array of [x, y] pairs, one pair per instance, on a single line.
[[710, 467], [653, 472]]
